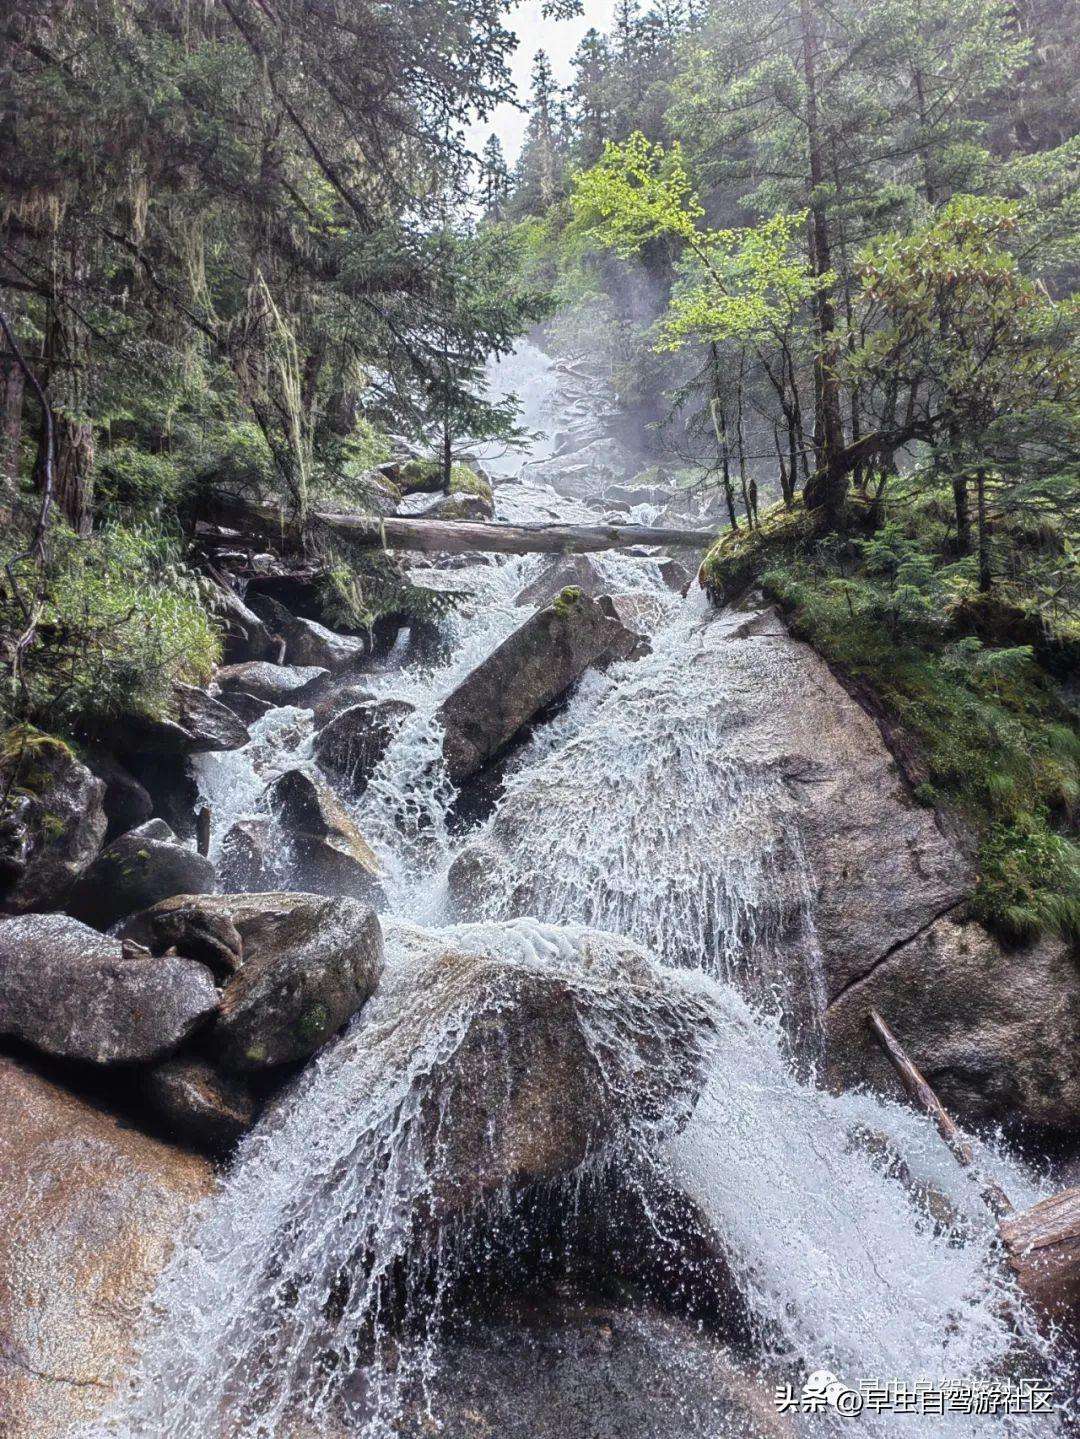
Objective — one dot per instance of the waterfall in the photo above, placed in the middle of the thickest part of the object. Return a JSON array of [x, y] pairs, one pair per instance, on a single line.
[[303, 1301]]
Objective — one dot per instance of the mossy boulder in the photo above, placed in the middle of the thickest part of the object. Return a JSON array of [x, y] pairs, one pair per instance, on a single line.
[[469, 495], [136, 871], [308, 963], [52, 820]]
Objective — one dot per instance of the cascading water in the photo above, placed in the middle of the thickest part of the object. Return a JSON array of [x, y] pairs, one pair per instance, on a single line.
[[303, 1302]]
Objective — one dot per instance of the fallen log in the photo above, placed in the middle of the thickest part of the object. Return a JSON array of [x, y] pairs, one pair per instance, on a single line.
[[1042, 1248], [994, 1197], [456, 537], [1042, 1244]]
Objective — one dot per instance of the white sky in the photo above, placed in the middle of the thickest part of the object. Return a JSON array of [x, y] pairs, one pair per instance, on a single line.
[[560, 39]]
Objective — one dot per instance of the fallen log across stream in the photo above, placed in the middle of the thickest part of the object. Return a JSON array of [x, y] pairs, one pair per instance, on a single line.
[[456, 537], [1042, 1244]]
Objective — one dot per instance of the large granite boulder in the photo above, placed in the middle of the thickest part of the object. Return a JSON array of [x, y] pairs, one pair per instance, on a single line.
[[995, 1030], [78, 994], [307, 642], [784, 815], [136, 871], [562, 1041], [52, 821], [353, 742], [90, 1209], [197, 724], [531, 669], [127, 801], [328, 852], [276, 684], [306, 964]]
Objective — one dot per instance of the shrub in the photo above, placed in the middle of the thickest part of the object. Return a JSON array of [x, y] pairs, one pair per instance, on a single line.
[[122, 619]]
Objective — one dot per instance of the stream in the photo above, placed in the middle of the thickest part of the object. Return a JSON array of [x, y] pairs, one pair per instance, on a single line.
[[274, 1318]]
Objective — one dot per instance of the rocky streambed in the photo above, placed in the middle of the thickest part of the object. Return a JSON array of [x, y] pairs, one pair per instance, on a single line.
[[466, 1030]]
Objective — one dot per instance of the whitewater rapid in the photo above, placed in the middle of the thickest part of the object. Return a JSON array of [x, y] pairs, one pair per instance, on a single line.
[[272, 1319]]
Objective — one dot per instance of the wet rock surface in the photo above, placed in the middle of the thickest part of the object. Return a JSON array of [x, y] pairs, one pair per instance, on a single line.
[[330, 854], [127, 802], [134, 872], [353, 742], [200, 724], [309, 643], [276, 684], [52, 828], [532, 668], [90, 1209], [592, 1371], [200, 1104], [526, 1096], [78, 994], [995, 1030]]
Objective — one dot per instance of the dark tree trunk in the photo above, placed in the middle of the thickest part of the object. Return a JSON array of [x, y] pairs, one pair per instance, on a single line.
[[985, 577], [828, 486], [75, 473], [447, 457], [11, 438], [962, 507]]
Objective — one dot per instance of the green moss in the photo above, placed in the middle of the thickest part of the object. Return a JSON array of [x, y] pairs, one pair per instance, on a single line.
[[425, 477], [566, 602], [313, 1023], [465, 481], [420, 477]]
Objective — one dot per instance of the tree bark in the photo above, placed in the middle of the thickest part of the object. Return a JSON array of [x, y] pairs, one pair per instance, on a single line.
[[11, 439], [827, 487], [456, 537], [962, 507], [985, 577]]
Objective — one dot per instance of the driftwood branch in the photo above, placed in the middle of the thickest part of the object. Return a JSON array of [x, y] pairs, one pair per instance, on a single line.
[[455, 537], [994, 1197]]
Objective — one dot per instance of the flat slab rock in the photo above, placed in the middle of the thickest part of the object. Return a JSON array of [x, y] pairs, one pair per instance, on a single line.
[[78, 994], [90, 1208]]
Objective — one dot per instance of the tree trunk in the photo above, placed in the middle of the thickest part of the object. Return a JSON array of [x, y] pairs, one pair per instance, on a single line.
[[456, 537], [11, 438], [985, 577], [447, 456], [719, 420], [827, 487], [75, 473], [962, 506]]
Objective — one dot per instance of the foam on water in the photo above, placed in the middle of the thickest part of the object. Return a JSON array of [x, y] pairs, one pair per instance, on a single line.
[[634, 810]]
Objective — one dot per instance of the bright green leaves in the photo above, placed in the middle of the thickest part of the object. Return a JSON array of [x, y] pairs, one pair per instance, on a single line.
[[635, 193], [746, 285]]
